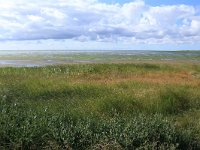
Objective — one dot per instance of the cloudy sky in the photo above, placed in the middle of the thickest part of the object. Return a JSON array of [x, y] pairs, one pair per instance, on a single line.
[[99, 24]]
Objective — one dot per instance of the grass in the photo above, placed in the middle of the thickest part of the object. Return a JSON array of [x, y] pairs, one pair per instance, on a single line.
[[101, 106]]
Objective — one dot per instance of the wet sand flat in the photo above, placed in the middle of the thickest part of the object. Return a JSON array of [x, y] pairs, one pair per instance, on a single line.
[[45, 58]]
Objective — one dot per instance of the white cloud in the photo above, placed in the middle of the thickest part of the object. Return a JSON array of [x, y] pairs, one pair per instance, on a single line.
[[91, 20]]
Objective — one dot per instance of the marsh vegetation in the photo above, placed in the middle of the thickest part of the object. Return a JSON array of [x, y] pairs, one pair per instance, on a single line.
[[101, 106]]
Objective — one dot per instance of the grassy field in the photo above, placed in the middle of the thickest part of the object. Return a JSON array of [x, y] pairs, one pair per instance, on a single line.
[[151, 105]]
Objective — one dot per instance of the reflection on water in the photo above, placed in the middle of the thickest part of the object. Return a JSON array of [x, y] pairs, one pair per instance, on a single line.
[[37, 63], [19, 63]]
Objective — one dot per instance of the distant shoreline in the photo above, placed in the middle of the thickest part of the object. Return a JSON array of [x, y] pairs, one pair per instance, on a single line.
[[45, 58]]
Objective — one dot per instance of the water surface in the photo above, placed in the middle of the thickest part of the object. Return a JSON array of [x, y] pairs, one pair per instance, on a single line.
[[48, 57]]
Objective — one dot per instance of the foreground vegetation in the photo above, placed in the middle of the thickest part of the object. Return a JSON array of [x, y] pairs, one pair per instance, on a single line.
[[101, 106]]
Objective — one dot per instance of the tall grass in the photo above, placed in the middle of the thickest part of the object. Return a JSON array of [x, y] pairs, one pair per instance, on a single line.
[[100, 106]]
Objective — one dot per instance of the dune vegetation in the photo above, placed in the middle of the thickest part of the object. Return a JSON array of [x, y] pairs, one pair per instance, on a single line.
[[151, 105]]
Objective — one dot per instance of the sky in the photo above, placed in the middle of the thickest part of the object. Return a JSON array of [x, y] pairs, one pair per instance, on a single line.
[[100, 25]]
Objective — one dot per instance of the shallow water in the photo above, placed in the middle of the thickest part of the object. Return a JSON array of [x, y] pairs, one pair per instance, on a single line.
[[41, 58], [36, 63]]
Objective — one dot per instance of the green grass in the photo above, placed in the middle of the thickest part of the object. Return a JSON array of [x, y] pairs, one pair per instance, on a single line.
[[101, 106]]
